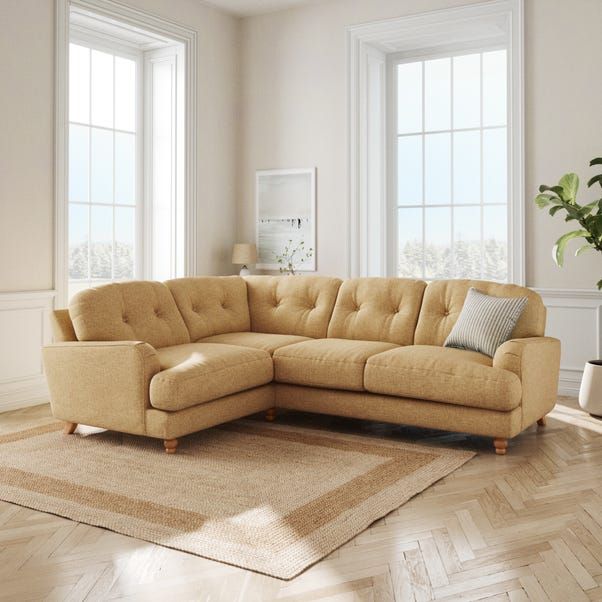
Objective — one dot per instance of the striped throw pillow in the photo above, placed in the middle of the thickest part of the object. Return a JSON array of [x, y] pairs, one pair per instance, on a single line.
[[485, 322]]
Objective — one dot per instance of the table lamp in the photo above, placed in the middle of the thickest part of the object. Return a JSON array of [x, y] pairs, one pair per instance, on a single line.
[[243, 254]]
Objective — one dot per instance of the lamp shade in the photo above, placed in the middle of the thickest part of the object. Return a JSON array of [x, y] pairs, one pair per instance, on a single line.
[[244, 253]]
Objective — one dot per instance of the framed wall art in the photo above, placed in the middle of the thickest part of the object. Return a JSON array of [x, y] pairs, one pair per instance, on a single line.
[[285, 201]]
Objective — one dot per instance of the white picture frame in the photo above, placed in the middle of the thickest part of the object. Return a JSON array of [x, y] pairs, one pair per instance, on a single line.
[[285, 209]]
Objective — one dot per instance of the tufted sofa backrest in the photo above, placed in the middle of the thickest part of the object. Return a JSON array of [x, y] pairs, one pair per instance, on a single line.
[[128, 311], [443, 301], [377, 309], [212, 304], [300, 305]]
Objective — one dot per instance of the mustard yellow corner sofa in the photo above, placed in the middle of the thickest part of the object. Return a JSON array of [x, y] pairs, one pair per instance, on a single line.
[[168, 359]]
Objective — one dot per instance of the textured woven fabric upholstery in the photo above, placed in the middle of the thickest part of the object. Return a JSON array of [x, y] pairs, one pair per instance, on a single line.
[[257, 340], [212, 305], [299, 305], [199, 372], [377, 309], [443, 374], [443, 301], [128, 311], [167, 360], [336, 363]]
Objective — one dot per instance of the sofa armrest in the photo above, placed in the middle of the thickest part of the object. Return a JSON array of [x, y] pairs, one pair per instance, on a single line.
[[103, 384], [536, 362]]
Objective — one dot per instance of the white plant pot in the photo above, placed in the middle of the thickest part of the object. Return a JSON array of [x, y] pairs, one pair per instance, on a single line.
[[590, 393]]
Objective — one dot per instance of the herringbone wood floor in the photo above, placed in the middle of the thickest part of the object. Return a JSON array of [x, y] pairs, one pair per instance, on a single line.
[[527, 526]]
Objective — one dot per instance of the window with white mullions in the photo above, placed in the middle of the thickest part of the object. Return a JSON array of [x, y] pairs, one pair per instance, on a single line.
[[104, 239], [452, 166]]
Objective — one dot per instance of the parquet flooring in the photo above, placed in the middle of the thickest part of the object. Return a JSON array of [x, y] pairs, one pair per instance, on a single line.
[[526, 526]]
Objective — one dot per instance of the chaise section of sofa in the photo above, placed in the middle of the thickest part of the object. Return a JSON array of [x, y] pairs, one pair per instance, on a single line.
[[167, 359]]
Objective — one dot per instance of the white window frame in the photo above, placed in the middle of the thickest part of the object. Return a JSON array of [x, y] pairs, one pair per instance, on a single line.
[[369, 186], [168, 29], [96, 43], [393, 60]]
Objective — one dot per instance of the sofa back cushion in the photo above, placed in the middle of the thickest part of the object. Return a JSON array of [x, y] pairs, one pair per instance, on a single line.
[[377, 309], [212, 305], [300, 305], [128, 311], [443, 301]]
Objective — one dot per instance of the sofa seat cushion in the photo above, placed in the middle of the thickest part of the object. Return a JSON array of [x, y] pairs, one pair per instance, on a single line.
[[330, 363], [443, 374], [199, 372], [257, 340]]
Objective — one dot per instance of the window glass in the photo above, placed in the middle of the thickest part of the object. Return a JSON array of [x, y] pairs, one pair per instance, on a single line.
[[409, 98], [102, 167], [452, 167]]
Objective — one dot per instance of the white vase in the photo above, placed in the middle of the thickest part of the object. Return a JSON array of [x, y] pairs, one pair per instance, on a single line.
[[590, 393]]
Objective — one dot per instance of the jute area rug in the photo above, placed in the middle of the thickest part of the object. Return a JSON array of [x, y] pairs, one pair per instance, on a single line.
[[269, 498]]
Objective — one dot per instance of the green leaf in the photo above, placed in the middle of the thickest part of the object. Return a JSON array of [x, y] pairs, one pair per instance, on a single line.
[[587, 209], [542, 200], [596, 161], [583, 249], [559, 247], [599, 285], [554, 210], [557, 189], [570, 185], [595, 179]]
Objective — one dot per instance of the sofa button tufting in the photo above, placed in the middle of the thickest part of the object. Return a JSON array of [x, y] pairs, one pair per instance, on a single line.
[[125, 319]]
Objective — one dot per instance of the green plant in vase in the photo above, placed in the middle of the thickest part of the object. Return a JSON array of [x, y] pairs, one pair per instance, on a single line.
[[292, 256], [563, 197]]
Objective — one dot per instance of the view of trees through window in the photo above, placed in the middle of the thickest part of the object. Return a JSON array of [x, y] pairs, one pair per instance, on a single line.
[[102, 167], [452, 191]]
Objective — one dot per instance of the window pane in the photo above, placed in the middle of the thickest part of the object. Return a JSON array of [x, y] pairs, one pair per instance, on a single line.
[[437, 242], [437, 90], [102, 89], [79, 83], [409, 242], [409, 170], [125, 231], [102, 166], [494, 88], [125, 94], [495, 173], [101, 244], [125, 168], [495, 233], [467, 242], [79, 171], [437, 158], [409, 98], [467, 91], [78, 242], [467, 171]]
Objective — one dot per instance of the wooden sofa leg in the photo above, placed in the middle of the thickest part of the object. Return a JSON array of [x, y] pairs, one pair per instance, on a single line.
[[69, 428], [501, 445], [170, 446], [270, 415], [542, 421]]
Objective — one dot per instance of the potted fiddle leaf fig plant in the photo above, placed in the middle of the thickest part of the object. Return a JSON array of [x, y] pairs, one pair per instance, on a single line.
[[563, 197]]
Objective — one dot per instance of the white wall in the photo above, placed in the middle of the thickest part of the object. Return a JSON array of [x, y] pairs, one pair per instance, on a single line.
[[294, 100], [26, 144]]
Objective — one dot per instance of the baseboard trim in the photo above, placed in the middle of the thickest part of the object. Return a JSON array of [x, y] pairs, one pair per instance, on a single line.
[[23, 395]]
